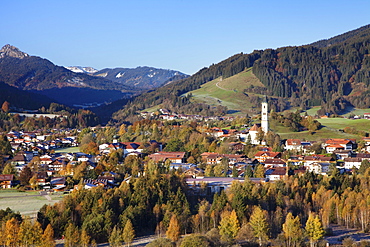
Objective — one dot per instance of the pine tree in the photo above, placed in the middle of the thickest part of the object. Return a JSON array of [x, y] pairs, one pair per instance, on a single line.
[[314, 229], [173, 231], [229, 225], [292, 230], [128, 233], [258, 222]]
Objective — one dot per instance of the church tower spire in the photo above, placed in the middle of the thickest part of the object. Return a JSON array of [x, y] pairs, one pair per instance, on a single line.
[[264, 115]]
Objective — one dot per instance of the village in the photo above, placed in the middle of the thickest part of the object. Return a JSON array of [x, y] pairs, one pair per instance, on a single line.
[[52, 170]]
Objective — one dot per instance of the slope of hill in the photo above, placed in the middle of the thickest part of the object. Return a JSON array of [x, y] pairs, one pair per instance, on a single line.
[[362, 31], [237, 92], [335, 77], [23, 99]]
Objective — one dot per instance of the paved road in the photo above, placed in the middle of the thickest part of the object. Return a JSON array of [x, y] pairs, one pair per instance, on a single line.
[[340, 233]]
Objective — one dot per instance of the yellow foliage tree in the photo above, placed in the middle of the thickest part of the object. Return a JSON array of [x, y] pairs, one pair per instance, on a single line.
[[173, 231]]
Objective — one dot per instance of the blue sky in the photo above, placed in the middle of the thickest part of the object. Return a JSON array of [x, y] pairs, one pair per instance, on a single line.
[[170, 34]]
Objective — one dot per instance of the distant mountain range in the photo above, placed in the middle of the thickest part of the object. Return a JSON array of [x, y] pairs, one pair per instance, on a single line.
[[141, 77], [75, 85]]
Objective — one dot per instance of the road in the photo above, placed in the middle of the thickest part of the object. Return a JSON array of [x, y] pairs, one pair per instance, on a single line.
[[340, 233]]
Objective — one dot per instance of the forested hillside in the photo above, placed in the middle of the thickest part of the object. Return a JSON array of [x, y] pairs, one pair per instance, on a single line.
[[333, 73]]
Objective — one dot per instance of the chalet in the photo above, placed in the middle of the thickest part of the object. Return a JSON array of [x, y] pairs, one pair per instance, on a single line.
[[274, 163], [297, 145], [367, 115], [19, 159], [296, 160], [343, 154], [215, 158], [236, 146], [362, 156], [174, 157], [41, 178], [132, 147], [293, 144], [261, 156], [58, 183], [318, 159], [6, 181], [350, 163], [338, 144], [318, 168], [276, 173]]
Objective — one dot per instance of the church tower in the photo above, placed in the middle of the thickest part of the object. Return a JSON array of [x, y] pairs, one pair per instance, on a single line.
[[264, 116]]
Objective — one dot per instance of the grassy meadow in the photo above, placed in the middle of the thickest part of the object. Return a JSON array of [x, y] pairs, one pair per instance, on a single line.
[[229, 92], [27, 203]]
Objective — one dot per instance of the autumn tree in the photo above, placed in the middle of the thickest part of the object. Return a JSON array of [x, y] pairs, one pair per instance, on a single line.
[[229, 225], [314, 229], [11, 233], [9, 169], [173, 231], [258, 222], [115, 238], [48, 237], [5, 106], [292, 230], [84, 238], [71, 236], [128, 233], [259, 171]]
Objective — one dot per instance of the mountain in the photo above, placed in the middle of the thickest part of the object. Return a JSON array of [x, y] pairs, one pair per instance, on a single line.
[[38, 75], [23, 99], [333, 74], [80, 69], [140, 77]]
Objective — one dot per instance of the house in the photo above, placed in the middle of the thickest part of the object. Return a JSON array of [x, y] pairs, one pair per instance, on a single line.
[[276, 173], [236, 146], [6, 181], [349, 163], [175, 157], [293, 144], [363, 156], [131, 147], [339, 144], [367, 115], [41, 178], [318, 168], [58, 183], [261, 156], [274, 163], [342, 154]]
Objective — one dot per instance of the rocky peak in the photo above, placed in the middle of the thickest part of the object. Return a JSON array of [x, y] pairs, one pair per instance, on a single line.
[[12, 51]]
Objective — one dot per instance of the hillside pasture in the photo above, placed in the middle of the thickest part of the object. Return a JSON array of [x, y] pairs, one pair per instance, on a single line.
[[229, 92]]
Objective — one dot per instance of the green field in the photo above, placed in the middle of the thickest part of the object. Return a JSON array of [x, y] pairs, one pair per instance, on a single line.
[[229, 92], [341, 123], [26, 203], [330, 129]]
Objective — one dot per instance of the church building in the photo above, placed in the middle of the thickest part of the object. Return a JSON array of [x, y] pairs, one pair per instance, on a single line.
[[264, 124]]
